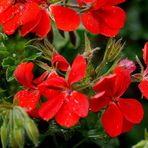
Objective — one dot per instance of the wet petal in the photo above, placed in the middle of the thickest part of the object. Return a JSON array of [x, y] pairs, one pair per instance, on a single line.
[[50, 108], [104, 21], [28, 99], [23, 74], [99, 101], [65, 18], [78, 70], [66, 117], [112, 120], [79, 103], [131, 109]]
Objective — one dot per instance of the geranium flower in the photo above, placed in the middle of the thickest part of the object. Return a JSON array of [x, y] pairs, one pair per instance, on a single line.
[[33, 16], [64, 104], [143, 86], [29, 97], [104, 17], [121, 113]]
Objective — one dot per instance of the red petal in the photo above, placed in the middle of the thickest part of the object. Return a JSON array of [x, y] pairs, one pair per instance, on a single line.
[[28, 99], [9, 13], [66, 117], [98, 101], [127, 126], [122, 81], [44, 25], [11, 25], [79, 103], [29, 12], [106, 84], [99, 4], [34, 113], [113, 16], [131, 109], [66, 19], [5, 4], [145, 53], [104, 21], [50, 108], [97, 25], [87, 2], [107, 31], [112, 120], [103, 3], [23, 74], [56, 83], [114, 2], [91, 21], [143, 86], [48, 92], [41, 78], [28, 27], [59, 62], [78, 70]]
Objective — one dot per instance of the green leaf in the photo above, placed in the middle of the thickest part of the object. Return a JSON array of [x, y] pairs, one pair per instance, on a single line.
[[9, 61], [9, 73]]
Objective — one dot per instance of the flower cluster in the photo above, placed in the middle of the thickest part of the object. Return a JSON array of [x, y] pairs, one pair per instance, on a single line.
[[67, 92], [99, 16], [64, 100]]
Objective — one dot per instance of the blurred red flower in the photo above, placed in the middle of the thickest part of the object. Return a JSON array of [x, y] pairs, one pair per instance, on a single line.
[[143, 86], [33, 16]]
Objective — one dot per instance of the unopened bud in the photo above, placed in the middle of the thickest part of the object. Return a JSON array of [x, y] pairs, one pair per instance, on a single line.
[[32, 131]]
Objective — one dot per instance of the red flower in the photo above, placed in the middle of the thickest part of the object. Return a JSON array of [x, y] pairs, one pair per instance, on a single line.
[[33, 16], [29, 97], [104, 17], [143, 86], [121, 114], [59, 62], [65, 104]]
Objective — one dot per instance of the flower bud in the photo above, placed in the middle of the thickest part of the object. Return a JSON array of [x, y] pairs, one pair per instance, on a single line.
[[32, 131], [4, 133]]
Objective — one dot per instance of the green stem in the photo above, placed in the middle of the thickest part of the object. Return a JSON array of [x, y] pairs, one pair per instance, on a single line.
[[79, 143], [55, 141], [100, 67]]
